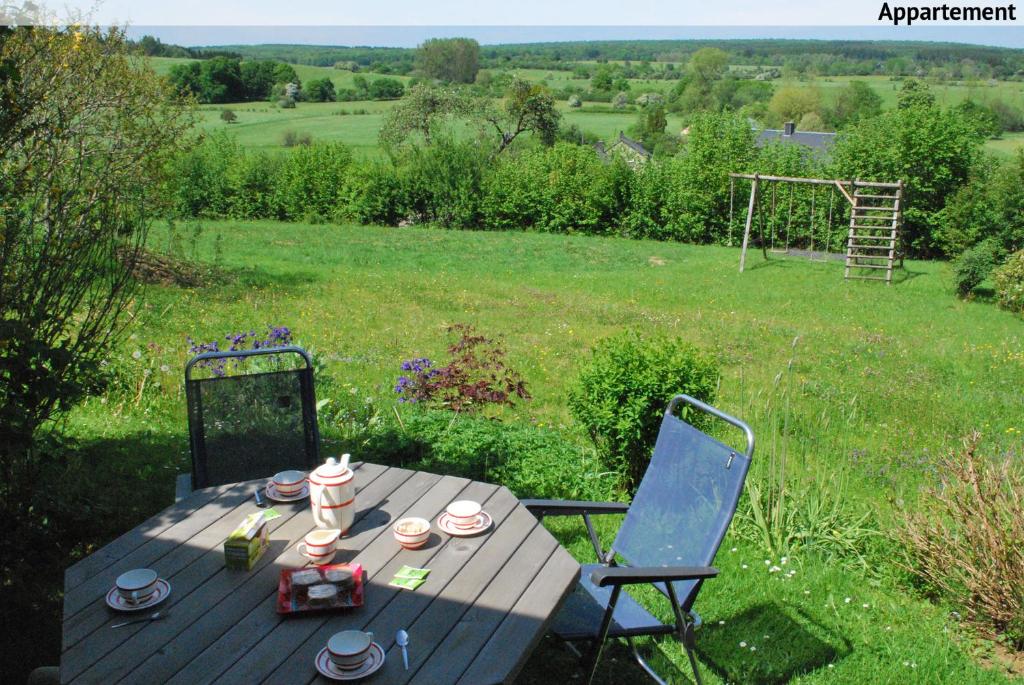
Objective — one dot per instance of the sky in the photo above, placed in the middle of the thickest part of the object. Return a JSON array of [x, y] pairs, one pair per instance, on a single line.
[[405, 23]]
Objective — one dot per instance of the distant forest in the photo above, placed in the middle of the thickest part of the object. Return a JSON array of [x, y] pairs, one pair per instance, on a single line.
[[815, 57]]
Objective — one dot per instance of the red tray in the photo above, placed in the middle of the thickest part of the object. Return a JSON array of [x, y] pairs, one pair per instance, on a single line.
[[292, 598]]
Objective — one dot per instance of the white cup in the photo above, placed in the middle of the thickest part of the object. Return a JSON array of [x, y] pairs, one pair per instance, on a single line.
[[288, 483], [412, 532], [320, 545], [464, 513], [349, 648], [137, 585]]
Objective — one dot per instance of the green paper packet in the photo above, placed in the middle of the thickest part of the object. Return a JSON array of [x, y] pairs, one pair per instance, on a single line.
[[413, 573], [271, 514], [407, 583]]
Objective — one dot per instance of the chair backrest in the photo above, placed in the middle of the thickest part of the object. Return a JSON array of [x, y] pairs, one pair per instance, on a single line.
[[687, 498], [248, 425]]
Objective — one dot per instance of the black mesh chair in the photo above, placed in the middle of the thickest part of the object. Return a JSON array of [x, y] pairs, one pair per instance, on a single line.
[[247, 425], [669, 538]]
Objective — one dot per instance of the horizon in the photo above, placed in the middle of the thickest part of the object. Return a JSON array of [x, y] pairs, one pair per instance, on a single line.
[[410, 36]]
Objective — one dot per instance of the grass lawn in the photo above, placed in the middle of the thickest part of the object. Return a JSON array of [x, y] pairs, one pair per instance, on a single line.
[[881, 379]]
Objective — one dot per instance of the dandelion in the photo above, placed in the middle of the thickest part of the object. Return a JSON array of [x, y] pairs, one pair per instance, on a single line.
[[745, 566], [774, 569], [164, 368], [847, 600], [753, 648], [743, 645], [137, 354], [865, 605]]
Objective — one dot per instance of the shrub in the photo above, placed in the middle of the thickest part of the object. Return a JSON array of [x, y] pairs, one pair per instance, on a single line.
[[967, 541], [286, 103], [1009, 280], [973, 266], [293, 139], [529, 460], [622, 392], [229, 116], [442, 183], [373, 194], [476, 375], [310, 182], [574, 101]]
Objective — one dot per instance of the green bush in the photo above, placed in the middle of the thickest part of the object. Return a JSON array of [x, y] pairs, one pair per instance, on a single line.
[[310, 181], [443, 183], [373, 194], [974, 266], [530, 461], [622, 392], [1009, 280]]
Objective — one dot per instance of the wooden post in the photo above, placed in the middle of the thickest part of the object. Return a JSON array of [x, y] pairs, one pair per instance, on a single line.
[[750, 218]]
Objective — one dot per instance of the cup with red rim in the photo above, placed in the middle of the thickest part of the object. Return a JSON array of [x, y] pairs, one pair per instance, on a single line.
[[289, 483], [137, 586], [349, 649], [320, 545], [412, 532], [464, 513]]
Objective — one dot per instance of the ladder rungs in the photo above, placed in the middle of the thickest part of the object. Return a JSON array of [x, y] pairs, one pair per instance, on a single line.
[[870, 247], [878, 197], [874, 209], [871, 237], [869, 278], [869, 266]]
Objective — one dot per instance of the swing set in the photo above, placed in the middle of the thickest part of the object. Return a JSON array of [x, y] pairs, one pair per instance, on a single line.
[[873, 210]]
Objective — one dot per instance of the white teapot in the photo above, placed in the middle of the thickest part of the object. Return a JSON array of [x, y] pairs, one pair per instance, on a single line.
[[332, 493]]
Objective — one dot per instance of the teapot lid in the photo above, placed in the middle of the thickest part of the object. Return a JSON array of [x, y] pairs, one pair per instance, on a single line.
[[332, 468]]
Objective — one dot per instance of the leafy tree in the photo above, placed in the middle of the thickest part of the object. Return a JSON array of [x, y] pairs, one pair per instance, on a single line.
[[931, 150], [981, 117], [574, 101], [386, 89], [285, 73], [855, 102], [650, 125], [915, 93], [258, 78], [707, 65], [602, 78], [790, 103], [989, 207], [220, 80], [811, 121], [527, 107], [422, 111], [452, 60], [86, 139], [228, 116], [320, 90]]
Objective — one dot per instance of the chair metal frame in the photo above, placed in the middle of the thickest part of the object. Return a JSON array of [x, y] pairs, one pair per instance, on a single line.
[[610, 574], [198, 477]]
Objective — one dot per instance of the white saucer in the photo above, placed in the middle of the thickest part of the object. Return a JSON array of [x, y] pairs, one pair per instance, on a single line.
[[116, 601], [445, 524], [372, 664], [301, 494]]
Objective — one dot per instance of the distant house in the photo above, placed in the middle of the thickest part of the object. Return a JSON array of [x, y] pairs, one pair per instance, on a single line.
[[819, 142], [632, 151]]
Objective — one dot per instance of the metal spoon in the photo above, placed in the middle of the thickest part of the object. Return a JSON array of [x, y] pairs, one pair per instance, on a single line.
[[155, 616], [402, 638]]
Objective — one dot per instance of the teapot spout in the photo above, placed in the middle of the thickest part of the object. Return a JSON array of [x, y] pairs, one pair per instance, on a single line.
[[344, 460]]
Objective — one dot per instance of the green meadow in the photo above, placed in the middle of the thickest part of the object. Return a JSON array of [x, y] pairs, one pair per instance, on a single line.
[[878, 380]]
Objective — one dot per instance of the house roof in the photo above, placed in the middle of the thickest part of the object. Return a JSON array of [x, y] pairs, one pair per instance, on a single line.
[[633, 145], [816, 140]]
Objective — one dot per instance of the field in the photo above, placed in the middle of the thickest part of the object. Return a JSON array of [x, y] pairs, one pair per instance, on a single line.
[[262, 125], [882, 378]]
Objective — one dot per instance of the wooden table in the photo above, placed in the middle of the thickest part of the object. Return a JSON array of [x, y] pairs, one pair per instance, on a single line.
[[486, 604]]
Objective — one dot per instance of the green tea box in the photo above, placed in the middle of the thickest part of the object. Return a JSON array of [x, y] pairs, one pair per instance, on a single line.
[[247, 543]]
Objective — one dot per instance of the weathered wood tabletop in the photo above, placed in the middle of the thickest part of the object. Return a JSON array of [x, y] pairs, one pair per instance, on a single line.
[[486, 604]]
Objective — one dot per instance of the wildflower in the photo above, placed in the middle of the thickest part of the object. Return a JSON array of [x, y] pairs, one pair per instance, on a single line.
[[865, 605], [721, 623], [745, 566], [137, 354], [807, 592], [733, 549], [164, 368], [767, 562], [784, 560], [753, 648], [847, 600], [774, 569], [831, 665], [743, 644]]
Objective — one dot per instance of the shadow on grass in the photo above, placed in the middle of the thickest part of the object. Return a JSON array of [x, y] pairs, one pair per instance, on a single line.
[[903, 274], [768, 644]]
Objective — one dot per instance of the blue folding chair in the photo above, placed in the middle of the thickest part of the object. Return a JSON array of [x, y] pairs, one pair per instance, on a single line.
[[669, 537]]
